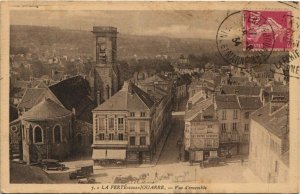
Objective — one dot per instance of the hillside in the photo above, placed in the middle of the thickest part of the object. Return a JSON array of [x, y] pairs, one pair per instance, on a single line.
[[75, 42]]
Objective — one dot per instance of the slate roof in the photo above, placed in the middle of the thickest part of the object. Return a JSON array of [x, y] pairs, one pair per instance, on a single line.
[[197, 108], [198, 97], [31, 97], [21, 84], [129, 97], [280, 88], [228, 101], [154, 78], [275, 122], [242, 90], [46, 109], [74, 92], [249, 102]]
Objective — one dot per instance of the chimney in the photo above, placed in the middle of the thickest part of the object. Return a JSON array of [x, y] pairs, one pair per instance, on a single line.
[[98, 98], [276, 103]]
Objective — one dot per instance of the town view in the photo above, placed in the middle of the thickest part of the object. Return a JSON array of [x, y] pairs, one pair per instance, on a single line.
[[95, 103]]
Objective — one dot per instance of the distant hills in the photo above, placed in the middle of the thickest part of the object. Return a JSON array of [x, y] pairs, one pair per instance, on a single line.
[[44, 40], [74, 42]]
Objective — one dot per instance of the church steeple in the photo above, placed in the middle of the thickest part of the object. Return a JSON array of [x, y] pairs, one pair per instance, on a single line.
[[106, 77], [106, 44]]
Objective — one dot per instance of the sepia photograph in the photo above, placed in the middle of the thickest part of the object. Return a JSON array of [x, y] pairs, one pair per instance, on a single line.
[[150, 97]]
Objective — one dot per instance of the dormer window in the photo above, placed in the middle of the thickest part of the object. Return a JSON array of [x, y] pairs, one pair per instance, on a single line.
[[143, 114]]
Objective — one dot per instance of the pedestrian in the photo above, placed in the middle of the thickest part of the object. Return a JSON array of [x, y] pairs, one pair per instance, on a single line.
[[242, 161], [156, 175], [180, 156]]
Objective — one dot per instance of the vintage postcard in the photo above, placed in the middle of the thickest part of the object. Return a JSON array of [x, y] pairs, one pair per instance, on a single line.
[[149, 97]]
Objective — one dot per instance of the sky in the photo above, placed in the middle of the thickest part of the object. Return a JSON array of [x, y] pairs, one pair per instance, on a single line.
[[185, 24]]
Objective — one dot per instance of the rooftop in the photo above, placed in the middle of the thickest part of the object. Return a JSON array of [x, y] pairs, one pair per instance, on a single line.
[[204, 107], [228, 101], [104, 29], [46, 109], [74, 92], [241, 90], [249, 102], [129, 97], [31, 97], [275, 122]]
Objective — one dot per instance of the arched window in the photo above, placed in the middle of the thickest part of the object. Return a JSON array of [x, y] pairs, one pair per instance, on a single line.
[[38, 135], [57, 134], [79, 139]]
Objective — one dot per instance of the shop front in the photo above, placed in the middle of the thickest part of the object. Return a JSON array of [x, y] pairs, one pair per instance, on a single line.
[[109, 156]]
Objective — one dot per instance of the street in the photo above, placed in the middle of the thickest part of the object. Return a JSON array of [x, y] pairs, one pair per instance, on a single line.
[[169, 168], [170, 152]]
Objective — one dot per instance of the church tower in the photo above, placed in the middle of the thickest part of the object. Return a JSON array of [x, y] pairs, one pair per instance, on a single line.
[[106, 76]]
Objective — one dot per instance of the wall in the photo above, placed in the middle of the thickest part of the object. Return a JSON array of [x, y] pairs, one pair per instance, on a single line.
[[47, 148], [264, 153]]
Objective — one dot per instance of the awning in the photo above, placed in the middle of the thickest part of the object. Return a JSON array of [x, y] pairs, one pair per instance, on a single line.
[[118, 154], [99, 154]]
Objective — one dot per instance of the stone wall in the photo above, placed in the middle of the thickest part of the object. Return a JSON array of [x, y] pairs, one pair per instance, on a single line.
[[48, 148]]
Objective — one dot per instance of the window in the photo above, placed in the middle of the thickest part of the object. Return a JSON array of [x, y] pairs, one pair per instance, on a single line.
[[208, 143], [131, 126], [233, 126], [209, 129], [132, 114], [101, 124], [120, 121], [143, 114], [142, 126], [247, 127], [38, 135], [235, 112], [276, 166], [223, 114], [132, 140], [111, 123], [223, 127], [101, 136], [247, 114], [57, 134], [121, 136], [111, 136], [142, 140], [79, 139]]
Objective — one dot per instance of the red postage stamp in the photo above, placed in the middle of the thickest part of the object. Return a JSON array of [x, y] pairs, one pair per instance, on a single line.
[[267, 30]]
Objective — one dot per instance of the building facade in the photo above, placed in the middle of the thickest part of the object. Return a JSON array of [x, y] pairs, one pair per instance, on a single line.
[[123, 127], [201, 134], [269, 142]]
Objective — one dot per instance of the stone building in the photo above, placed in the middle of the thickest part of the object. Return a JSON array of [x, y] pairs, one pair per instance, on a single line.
[[228, 114], [123, 127], [71, 95], [45, 132], [201, 134], [269, 141], [106, 74]]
